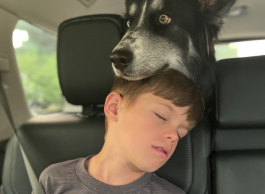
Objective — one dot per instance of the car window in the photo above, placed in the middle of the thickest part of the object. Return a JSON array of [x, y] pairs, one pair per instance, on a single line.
[[35, 51], [240, 49]]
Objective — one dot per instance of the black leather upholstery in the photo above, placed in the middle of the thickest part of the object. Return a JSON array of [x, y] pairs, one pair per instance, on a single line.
[[61, 137], [84, 47], [86, 76], [239, 147], [243, 139], [239, 172], [241, 92]]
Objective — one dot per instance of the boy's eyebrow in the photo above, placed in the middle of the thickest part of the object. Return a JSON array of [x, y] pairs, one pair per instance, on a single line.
[[168, 106]]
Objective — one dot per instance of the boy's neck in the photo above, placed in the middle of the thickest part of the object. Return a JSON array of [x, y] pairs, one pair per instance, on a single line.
[[111, 167]]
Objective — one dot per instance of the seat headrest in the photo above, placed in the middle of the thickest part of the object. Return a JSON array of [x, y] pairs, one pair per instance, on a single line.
[[84, 47], [241, 93]]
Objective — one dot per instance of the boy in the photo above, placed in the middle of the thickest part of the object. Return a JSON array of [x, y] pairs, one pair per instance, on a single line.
[[145, 119]]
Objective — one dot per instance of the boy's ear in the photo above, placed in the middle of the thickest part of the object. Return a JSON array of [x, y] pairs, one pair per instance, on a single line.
[[213, 11], [112, 105]]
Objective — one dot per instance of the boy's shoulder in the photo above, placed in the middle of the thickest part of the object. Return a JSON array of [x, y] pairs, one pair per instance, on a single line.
[[57, 177], [58, 169], [58, 173], [160, 185]]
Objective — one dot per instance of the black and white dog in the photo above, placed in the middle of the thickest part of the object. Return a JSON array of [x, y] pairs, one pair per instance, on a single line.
[[165, 34]]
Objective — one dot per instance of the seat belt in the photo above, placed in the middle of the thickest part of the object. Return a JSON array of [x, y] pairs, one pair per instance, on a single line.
[[2, 190], [36, 187]]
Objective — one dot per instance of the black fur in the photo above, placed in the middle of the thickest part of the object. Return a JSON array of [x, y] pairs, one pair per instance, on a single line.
[[191, 19]]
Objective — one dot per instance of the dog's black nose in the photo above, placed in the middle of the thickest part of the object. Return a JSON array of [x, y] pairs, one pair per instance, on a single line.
[[121, 59]]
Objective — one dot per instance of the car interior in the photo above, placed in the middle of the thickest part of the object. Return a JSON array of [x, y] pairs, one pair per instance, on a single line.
[[223, 154]]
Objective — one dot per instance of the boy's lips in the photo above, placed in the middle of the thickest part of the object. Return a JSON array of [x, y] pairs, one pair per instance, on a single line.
[[161, 153]]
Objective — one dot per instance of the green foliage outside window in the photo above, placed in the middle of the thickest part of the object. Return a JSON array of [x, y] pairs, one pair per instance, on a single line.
[[36, 60]]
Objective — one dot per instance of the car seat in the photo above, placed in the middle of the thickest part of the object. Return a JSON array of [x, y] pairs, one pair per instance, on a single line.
[[238, 157]]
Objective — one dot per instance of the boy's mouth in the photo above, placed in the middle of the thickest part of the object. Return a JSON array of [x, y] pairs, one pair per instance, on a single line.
[[162, 151]]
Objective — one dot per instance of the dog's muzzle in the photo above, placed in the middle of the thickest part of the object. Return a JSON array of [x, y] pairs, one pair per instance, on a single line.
[[121, 59]]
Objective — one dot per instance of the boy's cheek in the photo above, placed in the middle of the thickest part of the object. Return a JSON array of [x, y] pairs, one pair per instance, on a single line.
[[142, 120], [148, 125]]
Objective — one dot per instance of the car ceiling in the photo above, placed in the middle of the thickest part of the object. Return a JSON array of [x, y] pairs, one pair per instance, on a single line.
[[50, 13]]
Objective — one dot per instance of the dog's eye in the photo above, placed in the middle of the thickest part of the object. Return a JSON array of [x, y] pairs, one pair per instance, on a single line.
[[164, 19], [128, 23]]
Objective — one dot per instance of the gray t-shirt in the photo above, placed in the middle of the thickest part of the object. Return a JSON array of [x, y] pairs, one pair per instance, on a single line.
[[71, 177]]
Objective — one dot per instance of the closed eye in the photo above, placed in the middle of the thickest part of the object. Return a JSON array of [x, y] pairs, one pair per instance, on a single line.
[[165, 120], [160, 117]]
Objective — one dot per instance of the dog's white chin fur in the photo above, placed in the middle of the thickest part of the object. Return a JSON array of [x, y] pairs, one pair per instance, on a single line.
[[133, 78]]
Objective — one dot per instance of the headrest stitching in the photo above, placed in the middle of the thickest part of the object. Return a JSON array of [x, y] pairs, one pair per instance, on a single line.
[[94, 18]]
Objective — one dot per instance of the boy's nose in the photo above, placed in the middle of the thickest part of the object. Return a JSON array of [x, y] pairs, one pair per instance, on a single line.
[[172, 136]]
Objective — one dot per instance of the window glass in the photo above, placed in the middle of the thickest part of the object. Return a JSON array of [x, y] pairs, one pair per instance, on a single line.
[[240, 49], [36, 57]]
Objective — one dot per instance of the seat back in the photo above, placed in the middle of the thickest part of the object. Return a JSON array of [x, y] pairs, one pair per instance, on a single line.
[[239, 147]]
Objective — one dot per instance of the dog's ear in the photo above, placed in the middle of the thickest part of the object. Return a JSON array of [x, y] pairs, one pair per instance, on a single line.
[[213, 11]]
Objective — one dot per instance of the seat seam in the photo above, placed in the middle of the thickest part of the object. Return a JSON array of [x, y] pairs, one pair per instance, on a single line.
[[190, 164], [217, 100], [208, 152]]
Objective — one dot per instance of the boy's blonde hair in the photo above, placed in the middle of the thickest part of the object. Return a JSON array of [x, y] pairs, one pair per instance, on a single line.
[[170, 85]]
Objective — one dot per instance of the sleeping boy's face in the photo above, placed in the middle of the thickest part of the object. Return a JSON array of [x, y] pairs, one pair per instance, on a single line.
[[151, 122]]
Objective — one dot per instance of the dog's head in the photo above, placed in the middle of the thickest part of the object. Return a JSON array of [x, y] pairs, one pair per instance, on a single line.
[[163, 34]]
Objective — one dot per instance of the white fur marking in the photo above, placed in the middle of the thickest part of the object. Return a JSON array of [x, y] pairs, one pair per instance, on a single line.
[[192, 50], [157, 5], [142, 15], [132, 9]]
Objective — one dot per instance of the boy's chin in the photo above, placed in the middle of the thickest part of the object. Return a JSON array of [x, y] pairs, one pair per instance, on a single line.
[[151, 167]]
